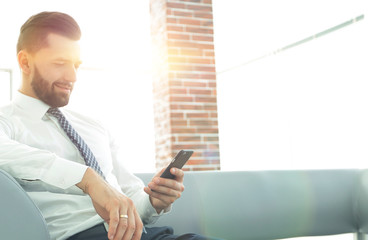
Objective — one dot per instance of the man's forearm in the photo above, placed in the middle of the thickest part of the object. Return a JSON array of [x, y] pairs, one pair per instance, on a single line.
[[90, 178]]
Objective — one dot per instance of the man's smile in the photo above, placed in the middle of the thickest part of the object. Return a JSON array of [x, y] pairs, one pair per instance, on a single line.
[[65, 87]]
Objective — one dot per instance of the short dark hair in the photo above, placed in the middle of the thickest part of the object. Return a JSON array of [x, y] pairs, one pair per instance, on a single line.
[[34, 32]]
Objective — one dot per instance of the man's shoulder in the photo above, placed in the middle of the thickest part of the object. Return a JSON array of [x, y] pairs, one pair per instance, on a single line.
[[6, 110]]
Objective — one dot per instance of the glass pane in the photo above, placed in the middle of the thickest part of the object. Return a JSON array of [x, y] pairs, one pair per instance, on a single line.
[[299, 109]]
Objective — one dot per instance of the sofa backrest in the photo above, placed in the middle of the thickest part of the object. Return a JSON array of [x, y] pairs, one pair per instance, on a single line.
[[266, 204], [233, 205]]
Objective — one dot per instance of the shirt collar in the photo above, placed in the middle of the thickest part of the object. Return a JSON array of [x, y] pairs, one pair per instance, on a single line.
[[31, 106]]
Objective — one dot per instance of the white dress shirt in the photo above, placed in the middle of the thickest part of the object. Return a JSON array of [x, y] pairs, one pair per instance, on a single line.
[[35, 150]]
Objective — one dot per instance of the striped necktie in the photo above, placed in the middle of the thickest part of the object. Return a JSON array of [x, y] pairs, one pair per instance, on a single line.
[[83, 148]]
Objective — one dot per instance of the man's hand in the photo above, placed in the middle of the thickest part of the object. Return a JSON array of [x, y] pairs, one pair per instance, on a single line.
[[163, 192], [110, 205]]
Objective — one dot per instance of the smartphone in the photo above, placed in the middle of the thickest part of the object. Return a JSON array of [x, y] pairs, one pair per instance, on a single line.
[[178, 162]]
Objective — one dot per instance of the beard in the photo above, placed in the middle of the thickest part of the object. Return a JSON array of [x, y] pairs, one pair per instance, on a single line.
[[45, 91]]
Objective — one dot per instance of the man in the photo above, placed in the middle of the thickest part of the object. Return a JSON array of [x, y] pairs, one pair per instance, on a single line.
[[68, 163]]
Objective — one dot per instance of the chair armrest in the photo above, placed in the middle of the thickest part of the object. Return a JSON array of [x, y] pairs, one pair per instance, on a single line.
[[19, 217]]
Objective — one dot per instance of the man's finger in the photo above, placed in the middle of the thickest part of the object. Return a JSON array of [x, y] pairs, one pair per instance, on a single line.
[[168, 183], [128, 223], [168, 196], [165, 190], [179, 174], [138, 227], [113, 223]]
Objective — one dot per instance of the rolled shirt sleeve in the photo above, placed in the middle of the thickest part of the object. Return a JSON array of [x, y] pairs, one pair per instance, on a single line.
[[63, 173], [28, 163]]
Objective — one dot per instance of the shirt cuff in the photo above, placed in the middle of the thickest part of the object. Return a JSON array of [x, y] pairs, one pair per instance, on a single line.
[[63, 173], [147, 212]]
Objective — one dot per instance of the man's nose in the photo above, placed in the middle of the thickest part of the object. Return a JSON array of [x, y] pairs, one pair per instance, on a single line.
[[71, 74]]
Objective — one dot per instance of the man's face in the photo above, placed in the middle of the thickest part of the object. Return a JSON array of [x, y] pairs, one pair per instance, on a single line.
[[54, 71]]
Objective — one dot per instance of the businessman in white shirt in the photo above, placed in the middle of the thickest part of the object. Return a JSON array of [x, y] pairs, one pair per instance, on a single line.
[[76, 200]]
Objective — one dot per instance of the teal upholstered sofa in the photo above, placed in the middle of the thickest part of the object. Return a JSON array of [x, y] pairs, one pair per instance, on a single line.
[[234, 205], [272, 204]]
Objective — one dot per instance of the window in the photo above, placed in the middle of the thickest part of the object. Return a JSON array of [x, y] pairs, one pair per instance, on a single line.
[[301, 108]]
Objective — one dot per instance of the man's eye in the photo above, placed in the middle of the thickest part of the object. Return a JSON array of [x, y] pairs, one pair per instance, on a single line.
[[59, 63]]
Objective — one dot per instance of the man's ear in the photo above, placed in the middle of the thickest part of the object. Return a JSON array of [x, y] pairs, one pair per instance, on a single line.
[[24, 62]]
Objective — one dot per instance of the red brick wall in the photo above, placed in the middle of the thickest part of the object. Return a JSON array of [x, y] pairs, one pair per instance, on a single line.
[[185, 101]]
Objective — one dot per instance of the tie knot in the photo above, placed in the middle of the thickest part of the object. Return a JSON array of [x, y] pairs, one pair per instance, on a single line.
[[55, 112]]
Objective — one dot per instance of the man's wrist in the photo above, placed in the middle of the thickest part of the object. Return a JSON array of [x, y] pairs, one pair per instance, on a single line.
[[88, 176], [158, 209]]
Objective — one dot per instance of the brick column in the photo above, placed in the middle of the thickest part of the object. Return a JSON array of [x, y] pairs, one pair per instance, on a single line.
[[185, 101]]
